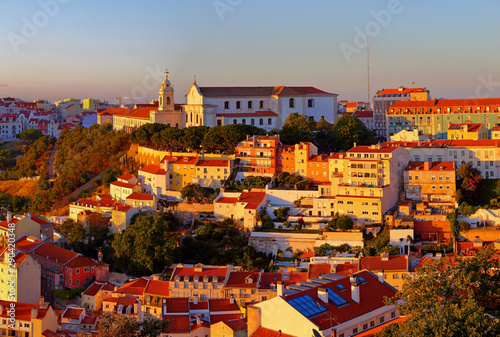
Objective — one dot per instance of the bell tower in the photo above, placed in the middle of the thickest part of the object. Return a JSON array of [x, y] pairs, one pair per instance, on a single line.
[[166, 95]]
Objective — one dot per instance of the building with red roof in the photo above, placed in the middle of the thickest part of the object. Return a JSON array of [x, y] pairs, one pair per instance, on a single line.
[[433, 117], [18, 273], [432, 182], [154, 179], [102, 206], [141, 201], [257, 155], [394, 268], [265, 107], [241, 206], [231, 328], [165, 112], [120, 190], [93, 295], [384, 98], [467, 130], [61, 268], [77, 319], [356, 303], [30, 319]]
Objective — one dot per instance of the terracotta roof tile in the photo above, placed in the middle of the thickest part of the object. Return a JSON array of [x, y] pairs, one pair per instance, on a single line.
[[374, 263], [153, 169], [72, 313], [140, 196], [157, 287]]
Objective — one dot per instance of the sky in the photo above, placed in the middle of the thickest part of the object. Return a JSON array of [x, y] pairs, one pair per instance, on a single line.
[[55, 49]]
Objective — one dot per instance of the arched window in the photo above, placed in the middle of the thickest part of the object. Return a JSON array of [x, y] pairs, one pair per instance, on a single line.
[[235, 121], [238, 105], [252, 121], [249, 105], [269, 121], [261, 121], [226, 105], [196, 119], [243, 121], [168, 100], [291, 103], [191, 118]]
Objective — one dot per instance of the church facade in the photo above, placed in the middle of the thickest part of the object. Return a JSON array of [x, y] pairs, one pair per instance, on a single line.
[[164, 112], [264, 107]]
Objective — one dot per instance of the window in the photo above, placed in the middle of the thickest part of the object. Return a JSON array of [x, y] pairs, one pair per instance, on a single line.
[[349, 202], [252, 121], [261, 105], [372, 324], [243, 121], [365, 326], [269, 121], [226, 105], [235, 121], [340, 202], [291, 103], [393, 314], [381, 319], [249, 104], [355, 330], [310, 103], [219, 122], [261, 121], [238, 105]]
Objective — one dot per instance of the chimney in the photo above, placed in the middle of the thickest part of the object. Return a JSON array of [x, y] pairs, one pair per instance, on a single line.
[[9, 216], [231, 299], [354, 289], [279, 289], [195, 299], [384, 256], [381, 277], [100, 256], [198, 320], [165, 164], [354, 144], [334, 268], [427, 165], [34, 313], [323, 295]]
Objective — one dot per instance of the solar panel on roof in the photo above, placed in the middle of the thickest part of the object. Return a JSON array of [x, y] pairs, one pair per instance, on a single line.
[[340, 287], [336, 298], [306, 305], [361, 279]]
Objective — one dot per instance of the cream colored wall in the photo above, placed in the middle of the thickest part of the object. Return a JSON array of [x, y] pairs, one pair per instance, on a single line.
[[28, 274]]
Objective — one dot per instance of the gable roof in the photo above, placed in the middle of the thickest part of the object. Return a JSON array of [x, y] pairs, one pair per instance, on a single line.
[[374, 263], [260, 91]]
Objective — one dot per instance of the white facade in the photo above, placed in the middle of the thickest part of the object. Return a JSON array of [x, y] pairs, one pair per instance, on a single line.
[[268, 107]]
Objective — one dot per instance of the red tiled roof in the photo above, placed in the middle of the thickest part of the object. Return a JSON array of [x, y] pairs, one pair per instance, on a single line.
[[72, 313], [227, 200], [23, 310], [236, 324], [307, 255], [496, 128], [91, 320], [431, 226], [83, 261], [363, 114], [264, 332], [222, 304], [135, 287], [220, 272], [126, 176], [368, 149], [218, 318], [95, 287], [153, 169], [140, 196], [5, 224], [157, 287], [241, 279], [142, 112], [253, 199], [260, 91], [322, 158], [184, 160], [213, 162], [374, 263], [372, 296], [397, 91], [318, 269], [122, 184], [434, 166], [27, 243], [54, 253], [272, 278], [177, 305], [346, 269], [475, 143], [179, 323], [201, 305]]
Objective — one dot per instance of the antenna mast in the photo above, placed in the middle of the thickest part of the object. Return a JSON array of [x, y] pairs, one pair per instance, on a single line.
[[368, 68]]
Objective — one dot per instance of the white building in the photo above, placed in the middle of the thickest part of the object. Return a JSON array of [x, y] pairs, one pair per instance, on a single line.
[[265, 107]]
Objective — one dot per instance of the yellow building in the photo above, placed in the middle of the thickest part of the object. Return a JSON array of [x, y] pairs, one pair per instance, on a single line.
[[92, 297], [155, 292], [393, 268], [230, 328], [181, 170], [141, 200], [31, 320], [495, 132], [431, 182], [303, 152], [370, 181], [17, 276], [213, 172], [90, 103], [20, 225], [467, 131]]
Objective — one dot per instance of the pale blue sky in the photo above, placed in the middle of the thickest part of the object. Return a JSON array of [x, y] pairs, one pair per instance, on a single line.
[[104, 49]]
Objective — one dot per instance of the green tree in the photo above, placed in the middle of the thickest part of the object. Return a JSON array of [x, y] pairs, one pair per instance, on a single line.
[[450, 299], [296, 129], [73, 231], [281, 212], [146, 245], [470, 180], [125, 326], [30, 135], [350, 129], [340, 222], [192, 137]]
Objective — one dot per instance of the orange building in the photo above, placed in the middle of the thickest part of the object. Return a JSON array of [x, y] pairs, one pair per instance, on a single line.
[[317, 168], [432, 182], [286, 159], [257, 155]]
